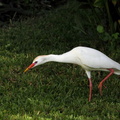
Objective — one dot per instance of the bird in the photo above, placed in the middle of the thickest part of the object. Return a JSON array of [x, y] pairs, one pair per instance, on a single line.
[[88, 58]]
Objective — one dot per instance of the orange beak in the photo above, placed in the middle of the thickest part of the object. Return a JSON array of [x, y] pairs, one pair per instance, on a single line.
[[29, 67]]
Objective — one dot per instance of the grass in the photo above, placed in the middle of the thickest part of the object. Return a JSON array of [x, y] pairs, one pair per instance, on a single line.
[[53, 91]]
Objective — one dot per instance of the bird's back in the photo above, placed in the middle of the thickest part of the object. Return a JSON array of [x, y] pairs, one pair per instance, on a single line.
[[94, 59]]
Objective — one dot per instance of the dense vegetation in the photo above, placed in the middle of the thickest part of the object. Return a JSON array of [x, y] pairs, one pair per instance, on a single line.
[[56, 91], [11, 10]]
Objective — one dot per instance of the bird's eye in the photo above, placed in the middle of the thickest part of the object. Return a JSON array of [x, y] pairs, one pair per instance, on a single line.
[[35, 62]]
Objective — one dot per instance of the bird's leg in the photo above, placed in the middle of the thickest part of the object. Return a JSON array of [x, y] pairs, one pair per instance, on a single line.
[[90, 89], [90, 84], [101, 83]]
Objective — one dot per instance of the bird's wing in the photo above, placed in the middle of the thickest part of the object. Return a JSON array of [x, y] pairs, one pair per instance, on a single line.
[[96, 59]]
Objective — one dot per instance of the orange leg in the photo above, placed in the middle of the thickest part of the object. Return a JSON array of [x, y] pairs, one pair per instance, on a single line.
[[101, 83], [90, 89]]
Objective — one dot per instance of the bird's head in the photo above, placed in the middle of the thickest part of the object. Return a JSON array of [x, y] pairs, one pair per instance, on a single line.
[[37, 61]]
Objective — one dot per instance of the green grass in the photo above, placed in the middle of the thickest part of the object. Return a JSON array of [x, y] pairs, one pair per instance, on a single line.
[[53, 91]]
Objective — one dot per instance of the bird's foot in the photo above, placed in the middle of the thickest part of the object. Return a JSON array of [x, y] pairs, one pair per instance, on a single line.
[[104, 86], [100, 88]]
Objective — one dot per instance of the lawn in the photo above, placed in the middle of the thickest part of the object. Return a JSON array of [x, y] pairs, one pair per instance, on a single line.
[[54, 91]]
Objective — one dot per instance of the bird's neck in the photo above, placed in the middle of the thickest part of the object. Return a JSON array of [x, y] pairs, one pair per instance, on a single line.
[[64, 58]]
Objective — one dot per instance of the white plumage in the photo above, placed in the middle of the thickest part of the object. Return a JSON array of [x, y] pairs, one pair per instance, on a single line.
[[88, 58]]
